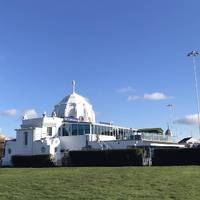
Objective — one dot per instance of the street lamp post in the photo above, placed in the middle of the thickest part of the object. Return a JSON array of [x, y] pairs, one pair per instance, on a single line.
[[194, 54], [170, 124]]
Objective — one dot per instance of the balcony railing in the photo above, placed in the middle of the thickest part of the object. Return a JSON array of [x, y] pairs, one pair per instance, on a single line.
[[156, 137], [151, 137]]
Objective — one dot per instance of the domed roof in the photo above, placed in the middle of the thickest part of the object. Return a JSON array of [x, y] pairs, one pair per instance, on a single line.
[[168, 132], [75, 106]]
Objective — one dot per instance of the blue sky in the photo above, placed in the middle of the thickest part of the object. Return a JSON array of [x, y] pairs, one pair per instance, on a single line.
[[128, 57]]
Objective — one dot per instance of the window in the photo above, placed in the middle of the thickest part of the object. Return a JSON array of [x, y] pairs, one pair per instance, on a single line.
[[87, 129], [74, 129], [9, 151], [96, 129], [43, 149], [100, 130], [138, 137], [107, 130], [25, 138], [83, 129], [103, 130], [65, 132], [56, 149], [110, 130], [49, 131]]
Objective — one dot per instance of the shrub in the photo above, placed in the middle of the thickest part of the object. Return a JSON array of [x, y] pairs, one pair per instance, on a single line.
[[176, 156], [32, 161], [125, 157], [150, 130]]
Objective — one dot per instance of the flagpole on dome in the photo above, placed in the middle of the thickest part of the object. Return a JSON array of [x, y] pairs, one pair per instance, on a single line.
[[73, 86]]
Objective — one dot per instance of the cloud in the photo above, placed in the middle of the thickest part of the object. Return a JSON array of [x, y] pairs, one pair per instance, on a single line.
[[188, 120], [133, 98], [9, 112], [125, 89], [156, 96], [30, 113]]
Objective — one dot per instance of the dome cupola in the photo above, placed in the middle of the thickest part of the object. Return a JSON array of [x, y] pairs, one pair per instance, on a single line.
[[75, 106]]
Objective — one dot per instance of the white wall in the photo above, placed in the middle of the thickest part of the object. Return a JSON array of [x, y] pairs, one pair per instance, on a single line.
[[73, 142], [93, 137], [36, 129]]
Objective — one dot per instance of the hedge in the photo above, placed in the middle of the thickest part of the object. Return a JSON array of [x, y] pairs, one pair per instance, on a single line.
[[126, 157], [176, 156], [32, 161], [151, 130]]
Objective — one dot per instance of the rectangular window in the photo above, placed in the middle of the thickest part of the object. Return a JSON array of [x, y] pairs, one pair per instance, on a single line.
[[49, 131], [25, 138], [74, 129], [96, 129], [83, 129], [87, 129], [65, 132], [103, 130]]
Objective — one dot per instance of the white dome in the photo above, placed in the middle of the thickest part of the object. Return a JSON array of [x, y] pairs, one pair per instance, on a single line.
[[75, 106]]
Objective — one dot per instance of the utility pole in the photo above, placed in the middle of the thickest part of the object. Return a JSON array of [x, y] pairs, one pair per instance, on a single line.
[[194, 54]]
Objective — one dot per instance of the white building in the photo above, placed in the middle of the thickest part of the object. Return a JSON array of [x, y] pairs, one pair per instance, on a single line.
[[72, 126]]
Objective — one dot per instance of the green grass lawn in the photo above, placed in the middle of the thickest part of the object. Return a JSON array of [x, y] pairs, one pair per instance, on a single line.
[[100, 183]]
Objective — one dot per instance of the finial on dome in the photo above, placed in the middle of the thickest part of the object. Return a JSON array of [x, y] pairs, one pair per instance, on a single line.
[[44, 114], [73, 86]]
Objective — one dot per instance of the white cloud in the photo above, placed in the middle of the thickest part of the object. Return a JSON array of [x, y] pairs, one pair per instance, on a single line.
[[188, 120], [9, 112], [30, 113], [125, 89], [155, 96], [133, 98]]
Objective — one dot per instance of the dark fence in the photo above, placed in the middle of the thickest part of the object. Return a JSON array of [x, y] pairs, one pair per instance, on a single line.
[[176, 156], [126, 157], [32, 161]]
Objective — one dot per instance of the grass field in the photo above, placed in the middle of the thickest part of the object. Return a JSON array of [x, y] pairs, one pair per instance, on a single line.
[[100, 183]]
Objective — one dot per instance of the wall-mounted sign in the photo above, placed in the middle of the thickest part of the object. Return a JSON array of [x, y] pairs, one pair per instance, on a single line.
[[70, 119]]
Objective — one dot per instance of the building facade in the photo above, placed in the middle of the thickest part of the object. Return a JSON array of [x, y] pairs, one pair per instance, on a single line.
[[72, 126]]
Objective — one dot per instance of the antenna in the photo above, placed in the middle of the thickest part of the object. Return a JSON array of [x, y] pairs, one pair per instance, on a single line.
[[73, 86]]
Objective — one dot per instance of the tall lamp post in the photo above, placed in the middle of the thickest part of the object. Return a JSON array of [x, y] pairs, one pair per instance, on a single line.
[[170, 106], [194, 54]]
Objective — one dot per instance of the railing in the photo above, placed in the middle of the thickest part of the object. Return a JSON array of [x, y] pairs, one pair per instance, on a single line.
[[104, 145], [150, 137], [156, 137]]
